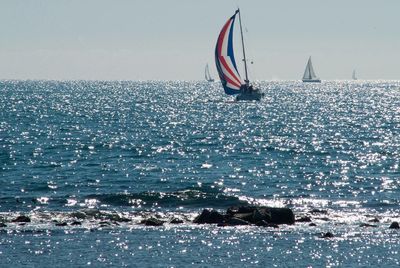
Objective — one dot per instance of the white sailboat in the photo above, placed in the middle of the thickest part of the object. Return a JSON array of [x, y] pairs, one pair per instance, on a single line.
[[207, 74], [354, 75], [309, 74]]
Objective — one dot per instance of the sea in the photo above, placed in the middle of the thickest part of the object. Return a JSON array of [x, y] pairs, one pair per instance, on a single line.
[[88, 161]]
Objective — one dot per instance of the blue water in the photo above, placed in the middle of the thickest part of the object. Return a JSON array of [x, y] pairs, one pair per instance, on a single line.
[[91, 150]]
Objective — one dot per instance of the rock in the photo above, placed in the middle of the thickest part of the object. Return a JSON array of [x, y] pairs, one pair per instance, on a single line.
[[116, 218], [304, 219], [367, 225], [319, 211], [264, 223], [61, 224], [254, 214], [152, 222], [248, 216], [235, 221], [176, 221], [78, 215], [394, 225], [327, 235], [260, 214], [2, 224], [374, 220], [242, 209], [207, 216], [312, 224], [21, 218], [76, 223], [281, 216]]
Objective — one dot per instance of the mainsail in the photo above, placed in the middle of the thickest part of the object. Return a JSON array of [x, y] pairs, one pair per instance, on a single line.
[[354, 75], [225, 59], [309, 73], [207, 74]]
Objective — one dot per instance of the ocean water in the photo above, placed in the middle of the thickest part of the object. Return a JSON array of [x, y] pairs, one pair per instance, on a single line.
[[97, 152]]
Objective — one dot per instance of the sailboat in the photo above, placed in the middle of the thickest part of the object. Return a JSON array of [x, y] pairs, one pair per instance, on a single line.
[[207, 74], [226, 64], [354, 75], [309, 74]]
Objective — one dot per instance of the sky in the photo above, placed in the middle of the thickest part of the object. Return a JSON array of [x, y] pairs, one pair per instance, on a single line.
[[174, 39]]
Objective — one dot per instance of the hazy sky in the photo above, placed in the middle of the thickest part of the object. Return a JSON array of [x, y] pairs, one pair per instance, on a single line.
[[174, 39]]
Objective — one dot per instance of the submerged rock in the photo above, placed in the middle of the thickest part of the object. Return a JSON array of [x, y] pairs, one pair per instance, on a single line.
[[76, 223], [374, 220], [2, 224], [304, 219], [367, 225], [319, 211], [394, 225], [312, 224], [176, 221], [61, 224], [21, 218], [327, 235]]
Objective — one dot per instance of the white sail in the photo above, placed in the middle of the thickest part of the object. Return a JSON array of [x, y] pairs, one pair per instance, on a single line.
[[354, 75], [309, 74], [207, 74]]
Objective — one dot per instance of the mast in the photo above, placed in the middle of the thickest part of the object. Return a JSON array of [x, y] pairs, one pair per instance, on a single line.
[[244, 53]]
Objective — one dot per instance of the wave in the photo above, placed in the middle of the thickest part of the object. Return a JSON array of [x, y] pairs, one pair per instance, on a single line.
[[196, 197]]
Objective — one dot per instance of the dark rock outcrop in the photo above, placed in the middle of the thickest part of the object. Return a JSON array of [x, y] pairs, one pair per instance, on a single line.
[[244, 215], [21, 218], [210, 217], [2, 224], [61, 224], [254, 214], [281, 216], [76, 223], [263, 223], [394, 225], [235, 221], [152, 222]]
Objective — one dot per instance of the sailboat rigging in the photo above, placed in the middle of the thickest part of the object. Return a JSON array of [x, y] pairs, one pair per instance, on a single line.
[[226, 64], [207, 74], [309, 74]]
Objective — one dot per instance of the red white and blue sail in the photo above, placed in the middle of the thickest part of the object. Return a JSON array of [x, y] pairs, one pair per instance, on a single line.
[[225, 59]]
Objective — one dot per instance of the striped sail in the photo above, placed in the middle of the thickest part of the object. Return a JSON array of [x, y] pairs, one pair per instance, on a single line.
[[225, 59]]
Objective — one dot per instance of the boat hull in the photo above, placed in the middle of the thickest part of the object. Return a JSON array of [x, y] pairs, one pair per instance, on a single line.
[[254, 95], [312, 81]]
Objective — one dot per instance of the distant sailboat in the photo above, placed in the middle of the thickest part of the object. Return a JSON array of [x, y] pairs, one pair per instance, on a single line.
[[309, 74], [354, 75], [207, 74], [226, 64]]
